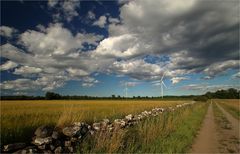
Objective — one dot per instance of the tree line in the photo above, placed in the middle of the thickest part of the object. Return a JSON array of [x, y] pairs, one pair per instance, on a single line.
[[220, 94]]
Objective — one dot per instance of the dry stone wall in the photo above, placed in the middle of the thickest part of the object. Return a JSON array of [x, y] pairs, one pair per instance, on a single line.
[[47, 139]]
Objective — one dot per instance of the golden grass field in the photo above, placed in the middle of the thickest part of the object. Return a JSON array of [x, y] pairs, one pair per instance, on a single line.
[[177, 129], [231, 102], [231, 105], [20, 118]]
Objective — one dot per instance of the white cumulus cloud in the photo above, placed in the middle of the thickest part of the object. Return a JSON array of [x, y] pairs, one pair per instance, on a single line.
[[65, 10], [193, 36], [176, 80], [91, 15], [7, 31], [101, 22], [236, 76], [221, 67], [8, 65], [25, 70]]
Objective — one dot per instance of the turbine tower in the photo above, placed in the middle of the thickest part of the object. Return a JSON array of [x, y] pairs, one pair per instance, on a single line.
[[162, 84], [126, 90]]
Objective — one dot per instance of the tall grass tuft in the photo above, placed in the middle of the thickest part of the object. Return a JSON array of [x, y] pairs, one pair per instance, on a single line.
[[104, 142], [68, 116]]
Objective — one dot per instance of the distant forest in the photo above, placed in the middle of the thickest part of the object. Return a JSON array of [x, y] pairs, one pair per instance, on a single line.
[[220, 94]]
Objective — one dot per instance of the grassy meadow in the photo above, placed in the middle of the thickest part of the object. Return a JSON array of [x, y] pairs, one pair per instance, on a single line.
[[19, 119]]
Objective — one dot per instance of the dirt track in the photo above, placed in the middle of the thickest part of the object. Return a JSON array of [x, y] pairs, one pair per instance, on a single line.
[[213, 138], [206, 141]]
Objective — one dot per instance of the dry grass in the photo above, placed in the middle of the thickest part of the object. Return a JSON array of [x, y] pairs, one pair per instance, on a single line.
[[232, 106], [108, 142], [171, 132], [232, 102], [20, 118]]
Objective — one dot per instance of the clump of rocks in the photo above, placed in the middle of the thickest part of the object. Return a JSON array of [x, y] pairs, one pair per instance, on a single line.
[[48, 139], [184, 104]]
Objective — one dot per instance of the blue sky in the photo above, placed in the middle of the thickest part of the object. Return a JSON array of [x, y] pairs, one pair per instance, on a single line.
[[100, 48]]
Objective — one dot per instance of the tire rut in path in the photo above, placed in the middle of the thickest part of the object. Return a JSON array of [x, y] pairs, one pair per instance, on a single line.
[[234, 122], [206, 141]]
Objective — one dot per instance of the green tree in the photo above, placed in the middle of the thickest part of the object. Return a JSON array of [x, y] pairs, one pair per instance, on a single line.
[[52, 95]]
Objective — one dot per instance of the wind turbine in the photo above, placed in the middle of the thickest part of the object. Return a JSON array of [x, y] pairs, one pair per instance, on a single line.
[[162, 84], [126, 90]]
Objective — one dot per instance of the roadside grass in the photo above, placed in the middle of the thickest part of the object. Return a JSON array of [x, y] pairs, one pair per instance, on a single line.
[[19, 119], [234, 110], [171, 132]]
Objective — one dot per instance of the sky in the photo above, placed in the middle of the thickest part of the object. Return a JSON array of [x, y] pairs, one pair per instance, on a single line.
[[101, 48]]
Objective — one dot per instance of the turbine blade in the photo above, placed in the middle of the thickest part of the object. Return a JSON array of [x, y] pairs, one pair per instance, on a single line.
[[164, 84], [162, 76]]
